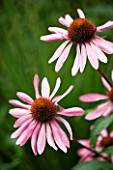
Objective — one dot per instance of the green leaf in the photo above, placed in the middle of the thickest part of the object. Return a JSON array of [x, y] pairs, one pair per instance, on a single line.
[[108, 150], [93, 165], [99, 125]]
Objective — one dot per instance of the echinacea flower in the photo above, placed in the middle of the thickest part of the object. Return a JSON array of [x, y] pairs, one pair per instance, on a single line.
[[104, 140], [81, 32], [103, 109], [38, 119]]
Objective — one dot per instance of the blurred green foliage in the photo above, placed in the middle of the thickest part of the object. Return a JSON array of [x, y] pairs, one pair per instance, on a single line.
[[22, 54]]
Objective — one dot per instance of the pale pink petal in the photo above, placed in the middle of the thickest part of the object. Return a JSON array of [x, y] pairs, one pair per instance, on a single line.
[[26, 134], [104, 45], [101, 56], [58, 98], [92, 97], [20, 130], [108, 110], [36, 82], [57, 137], [19, 104], [74, 111], [92, 56], [112, 75], [21, 120], [25, 97], [105, 83], [97, 112], [63, 57], [104, 133], [105, 26], [57, 85], [84, 142], [41, 143], [58, 30], [82, 58], [17, 112], [52, 37], [76, 65], [82, 152], [62, 134], [63, 22], [111, 134], [49, 137], [58, 52], [67, 125], [34, 138], [80, 13], [45, 89], [68, 18]]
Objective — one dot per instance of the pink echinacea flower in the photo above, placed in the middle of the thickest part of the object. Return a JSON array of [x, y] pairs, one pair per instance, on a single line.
[[104, 140], [82, 33], [104, 109], [38, 119]]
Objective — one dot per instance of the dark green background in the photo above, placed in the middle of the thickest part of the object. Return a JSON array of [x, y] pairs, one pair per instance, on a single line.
[[22, 54]]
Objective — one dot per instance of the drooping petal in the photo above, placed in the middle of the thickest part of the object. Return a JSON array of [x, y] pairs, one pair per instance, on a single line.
[[26, 134], [104, 133], [68, 19], [67, 125], [36, 82], [45, 90], [25, 97], [58, 98], [57, 137], [104, 45], [19, 104], [101, 56], [97, 112], [41, 143], [52, 37], [76, 65], [74, 111], [49, 137], [63, 57], [34, 138], [62, 134], [57, 85], [92, 97], [80, 13], [105, 26], [21, 120], [58, 52], [105, 83], [84, 142], [111, 134], [20, 130], [17, 112], [58, 30], [112, 75], [92, 56], [63, 22], [82, 58], [108, 110]]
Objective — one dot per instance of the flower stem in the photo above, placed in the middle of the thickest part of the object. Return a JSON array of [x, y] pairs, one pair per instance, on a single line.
[[94, 151], [105, 77]]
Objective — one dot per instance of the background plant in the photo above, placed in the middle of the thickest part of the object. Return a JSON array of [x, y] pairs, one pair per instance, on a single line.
[[22, 55]]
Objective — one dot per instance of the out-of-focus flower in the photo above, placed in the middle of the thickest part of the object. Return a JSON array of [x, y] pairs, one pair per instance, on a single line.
[[81, 32], [103, 109], [104, 140], [38, 118]]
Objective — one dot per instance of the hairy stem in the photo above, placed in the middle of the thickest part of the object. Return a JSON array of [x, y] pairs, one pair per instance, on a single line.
[[105, 77]]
